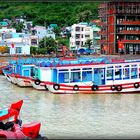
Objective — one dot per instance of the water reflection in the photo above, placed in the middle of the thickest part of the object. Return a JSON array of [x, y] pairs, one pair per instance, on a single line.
[[76, 115]]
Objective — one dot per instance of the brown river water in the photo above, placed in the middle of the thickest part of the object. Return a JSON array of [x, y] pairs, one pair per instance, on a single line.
[[76, 115]]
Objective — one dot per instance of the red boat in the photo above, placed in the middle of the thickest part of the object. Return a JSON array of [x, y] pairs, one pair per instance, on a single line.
[[27, 131], [11, 113]]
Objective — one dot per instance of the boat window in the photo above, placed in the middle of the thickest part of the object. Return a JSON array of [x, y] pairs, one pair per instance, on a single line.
[[63, 70], [35, 71], [86, 76], [87, 69], [96, 70], [110, 67], [134, 73], [117, 67], [75, 77], [134, 66], [109, 74], [66, 77], [75, 69], [126, 66], [63, 77], [118, 73], [126, 73], [32, 71]]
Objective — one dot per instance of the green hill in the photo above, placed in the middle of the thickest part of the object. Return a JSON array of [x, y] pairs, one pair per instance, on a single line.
[[44, 13]]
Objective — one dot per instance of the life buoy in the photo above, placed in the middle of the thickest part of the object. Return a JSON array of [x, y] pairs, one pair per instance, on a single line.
[[94, 87], [37, 82], [46, 87], [136, 85], [75, 87], [56, 86], [118, 87], [113, 87]]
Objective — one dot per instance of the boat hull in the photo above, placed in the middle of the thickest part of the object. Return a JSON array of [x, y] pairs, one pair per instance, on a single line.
[[13, 78], [72, 88], [7, 77], [40, 86], [24, 82]]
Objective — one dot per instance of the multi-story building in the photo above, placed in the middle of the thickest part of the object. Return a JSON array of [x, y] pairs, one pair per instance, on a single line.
[[83, 31], [42, 31], [96, 36], [79, 35], [120, 20]]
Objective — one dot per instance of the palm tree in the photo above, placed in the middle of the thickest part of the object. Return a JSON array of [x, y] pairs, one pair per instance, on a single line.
[[88, 44], [84, 16], [87, 15]]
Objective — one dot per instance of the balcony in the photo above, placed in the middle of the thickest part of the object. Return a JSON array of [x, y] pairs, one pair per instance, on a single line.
[[130, 22], [102, 32], [102, 24], [102, 41], [129, 32], [130, 41]]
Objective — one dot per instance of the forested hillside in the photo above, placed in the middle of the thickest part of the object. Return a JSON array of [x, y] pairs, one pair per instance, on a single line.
[[44, 13]]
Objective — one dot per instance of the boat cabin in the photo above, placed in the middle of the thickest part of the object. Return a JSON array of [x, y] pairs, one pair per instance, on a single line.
[[99, 74]]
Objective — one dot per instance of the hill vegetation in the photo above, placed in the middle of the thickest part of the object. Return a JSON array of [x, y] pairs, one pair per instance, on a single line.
[[46, 13]]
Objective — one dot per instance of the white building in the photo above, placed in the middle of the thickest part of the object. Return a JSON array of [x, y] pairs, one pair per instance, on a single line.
[[22, 42], [79, 35], [20, 46], [42, 32]]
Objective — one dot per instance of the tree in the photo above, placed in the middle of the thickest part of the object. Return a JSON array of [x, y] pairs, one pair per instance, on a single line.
[[18, 26], [48, 43], [56, 30], [87, 15], [88, 43], [84, 16]]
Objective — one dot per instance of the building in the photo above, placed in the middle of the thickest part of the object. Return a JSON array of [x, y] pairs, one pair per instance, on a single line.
[[79, 35], [42, 32], [120, 20], [83, 31], [22, 42], [96, 36]]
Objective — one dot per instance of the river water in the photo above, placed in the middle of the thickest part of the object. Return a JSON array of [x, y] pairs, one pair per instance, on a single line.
[[76, 115]]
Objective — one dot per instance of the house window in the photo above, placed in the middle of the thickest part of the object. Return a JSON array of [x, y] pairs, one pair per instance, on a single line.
[[77, 42], [95, 34], [34, 42], [18, 49], [87, 35], [77, 29], [77, 36]]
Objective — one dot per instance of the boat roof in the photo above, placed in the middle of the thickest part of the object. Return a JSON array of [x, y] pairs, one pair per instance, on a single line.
[[57, 62]]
